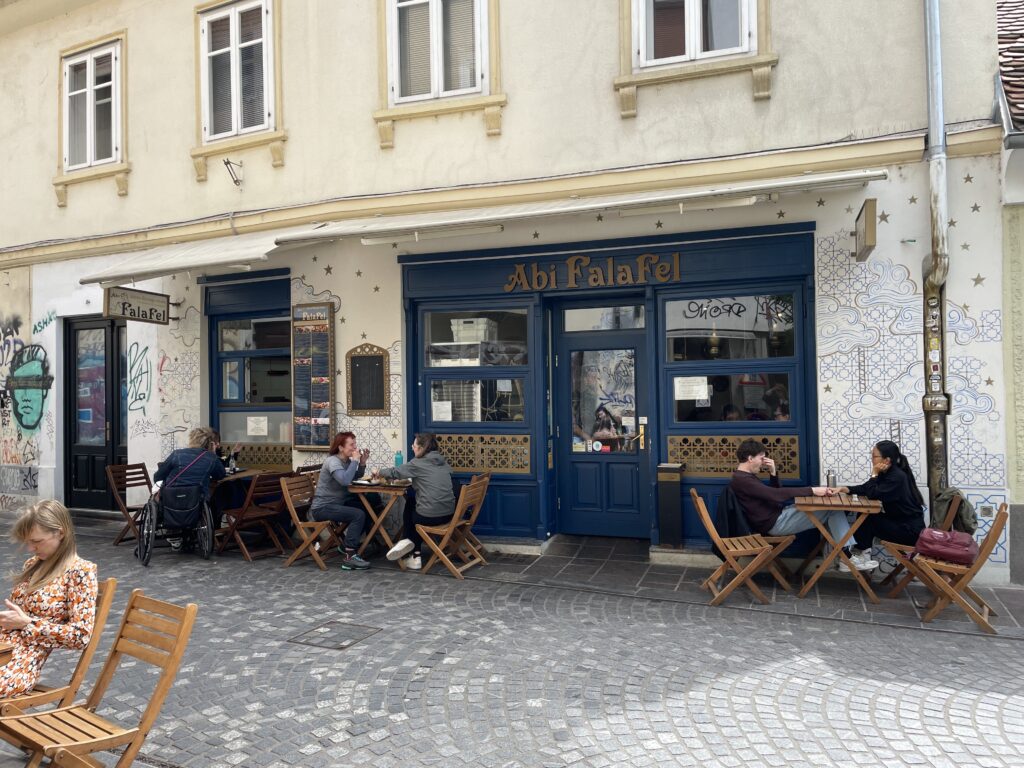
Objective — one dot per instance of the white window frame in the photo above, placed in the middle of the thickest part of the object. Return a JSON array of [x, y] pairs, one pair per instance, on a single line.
[[233, 11], [90, 56], [436, 53], [642, 56]]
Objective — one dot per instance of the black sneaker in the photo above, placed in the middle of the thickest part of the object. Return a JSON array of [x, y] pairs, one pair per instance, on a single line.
[[353, 562]]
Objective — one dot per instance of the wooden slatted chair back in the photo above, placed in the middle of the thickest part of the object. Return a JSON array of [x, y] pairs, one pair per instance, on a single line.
[[265, 489], [471, 499], [297, 492], [988, 544], [705, 518], [954, 507], [104, 599], [153, 632]]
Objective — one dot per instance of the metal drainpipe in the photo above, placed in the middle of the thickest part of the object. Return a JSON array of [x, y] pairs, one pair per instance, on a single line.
[[935, 268]]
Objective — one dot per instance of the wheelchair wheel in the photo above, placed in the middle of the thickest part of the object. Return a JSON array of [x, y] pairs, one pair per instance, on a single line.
[[204, 533], [147, 533]]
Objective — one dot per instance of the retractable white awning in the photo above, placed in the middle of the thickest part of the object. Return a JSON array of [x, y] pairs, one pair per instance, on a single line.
[[381, 230], [239, 251]]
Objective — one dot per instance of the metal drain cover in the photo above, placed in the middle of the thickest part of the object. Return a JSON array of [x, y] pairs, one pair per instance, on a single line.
[[334, 635]]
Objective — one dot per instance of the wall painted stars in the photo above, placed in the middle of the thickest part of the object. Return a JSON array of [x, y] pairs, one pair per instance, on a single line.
[[849, 209], [989, 382], [359, 273], [780, 215], [883, 218], [363, 334], [599, 217], [968, 179], [820, 201], [952, 223], [978, 280], [975, 208], [912, 200], [965, 246], [328, 269], [658, 224], [376, 289], [536, 235]]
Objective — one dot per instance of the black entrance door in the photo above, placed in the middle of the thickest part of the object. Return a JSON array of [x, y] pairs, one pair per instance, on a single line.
[[95, 393]]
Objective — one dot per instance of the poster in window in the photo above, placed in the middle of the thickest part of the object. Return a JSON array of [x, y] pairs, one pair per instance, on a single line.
[[312, 376]]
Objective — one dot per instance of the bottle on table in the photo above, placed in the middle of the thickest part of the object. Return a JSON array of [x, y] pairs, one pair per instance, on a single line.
[[830, 479], [398, 458], [232, 464]]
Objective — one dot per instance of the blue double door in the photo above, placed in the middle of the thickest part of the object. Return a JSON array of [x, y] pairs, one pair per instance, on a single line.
[[599, 398]]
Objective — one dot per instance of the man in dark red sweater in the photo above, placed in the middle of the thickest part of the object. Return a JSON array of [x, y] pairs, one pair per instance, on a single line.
[[770, 509]]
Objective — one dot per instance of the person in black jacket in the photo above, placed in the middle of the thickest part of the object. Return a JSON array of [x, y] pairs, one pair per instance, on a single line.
[[892, 483]]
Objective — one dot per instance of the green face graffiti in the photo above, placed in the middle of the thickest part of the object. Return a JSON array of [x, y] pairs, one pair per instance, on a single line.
[[29, 382]]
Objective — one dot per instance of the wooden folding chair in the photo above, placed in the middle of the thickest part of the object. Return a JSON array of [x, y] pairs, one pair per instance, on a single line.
[[121, 477], [454, 539], [733, 549], [950, 582], [65, 694], [258, 512], [152, 632], [946, 525], [297, 493]]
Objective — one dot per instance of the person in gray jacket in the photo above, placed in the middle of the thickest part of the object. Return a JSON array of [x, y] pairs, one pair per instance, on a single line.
[[435, 502]]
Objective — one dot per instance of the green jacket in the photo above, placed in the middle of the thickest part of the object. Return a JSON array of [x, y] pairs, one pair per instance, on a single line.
[[966, 519]]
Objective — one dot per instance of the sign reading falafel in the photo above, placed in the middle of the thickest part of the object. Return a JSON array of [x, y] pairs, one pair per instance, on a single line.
[[131, 304], [581, 271]]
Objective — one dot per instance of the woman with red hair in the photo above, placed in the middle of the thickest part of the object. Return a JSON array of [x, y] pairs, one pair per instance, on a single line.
[[345, 462]]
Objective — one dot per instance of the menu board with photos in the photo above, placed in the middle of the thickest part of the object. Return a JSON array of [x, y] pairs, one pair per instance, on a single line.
[[312, 376]]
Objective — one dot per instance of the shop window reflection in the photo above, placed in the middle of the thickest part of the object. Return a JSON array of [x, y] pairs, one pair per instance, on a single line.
[[730, 327]]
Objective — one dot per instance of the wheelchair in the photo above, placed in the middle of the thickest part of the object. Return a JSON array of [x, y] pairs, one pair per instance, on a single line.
[[177, 513]]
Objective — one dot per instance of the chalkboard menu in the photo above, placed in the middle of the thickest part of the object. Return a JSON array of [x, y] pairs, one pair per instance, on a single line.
[[366, 381], [312, 376]]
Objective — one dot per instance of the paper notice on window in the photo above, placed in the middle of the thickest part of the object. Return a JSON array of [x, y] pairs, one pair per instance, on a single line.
[[690, 387], [504, 385], [441, 410], [256, 426]]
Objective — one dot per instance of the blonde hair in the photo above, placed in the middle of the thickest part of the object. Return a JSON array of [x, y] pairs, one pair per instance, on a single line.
[[51, 516], [202, 437]]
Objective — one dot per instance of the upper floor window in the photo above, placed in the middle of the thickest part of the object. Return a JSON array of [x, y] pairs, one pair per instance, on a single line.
[[672, 31], [92, 107], [437, 48], [237, 69]]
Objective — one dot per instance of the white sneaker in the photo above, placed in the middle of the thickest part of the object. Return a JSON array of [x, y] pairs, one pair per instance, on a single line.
[[412, 562], [400, 550], [861, 561]]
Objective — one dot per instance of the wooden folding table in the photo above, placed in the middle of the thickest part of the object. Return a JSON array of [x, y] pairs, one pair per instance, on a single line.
[[843, 502], [394, 492]]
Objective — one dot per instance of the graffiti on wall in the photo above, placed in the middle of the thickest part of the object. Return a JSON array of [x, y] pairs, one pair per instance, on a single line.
[[29, 383], [140, 377], [10, 338]]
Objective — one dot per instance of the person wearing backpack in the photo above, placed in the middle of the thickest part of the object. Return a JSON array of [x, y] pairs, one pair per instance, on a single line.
[[892, 483]]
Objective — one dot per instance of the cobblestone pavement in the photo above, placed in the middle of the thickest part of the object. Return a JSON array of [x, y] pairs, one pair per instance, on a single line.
[[521, 675]]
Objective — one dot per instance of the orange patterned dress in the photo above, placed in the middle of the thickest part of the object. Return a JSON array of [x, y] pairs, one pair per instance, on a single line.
[[63, 613]]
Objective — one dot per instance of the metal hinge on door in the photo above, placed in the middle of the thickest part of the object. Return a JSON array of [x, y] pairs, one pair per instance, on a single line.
[[558, 504]]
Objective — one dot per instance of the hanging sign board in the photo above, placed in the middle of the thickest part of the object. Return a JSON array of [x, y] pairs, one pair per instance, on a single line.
[[130, 304], [312, 376], [867, 223]]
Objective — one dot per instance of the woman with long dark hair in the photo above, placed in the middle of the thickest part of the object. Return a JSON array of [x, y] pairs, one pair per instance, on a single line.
[[892, 483], [332, 500]]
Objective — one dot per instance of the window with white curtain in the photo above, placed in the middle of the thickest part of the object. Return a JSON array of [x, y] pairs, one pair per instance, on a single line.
[[237, 69], [92, 107], [436, 48], [671, 31]]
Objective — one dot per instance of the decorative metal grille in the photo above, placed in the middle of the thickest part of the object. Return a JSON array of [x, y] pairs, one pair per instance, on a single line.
[[507, 454], [715, 455], [265, 456]]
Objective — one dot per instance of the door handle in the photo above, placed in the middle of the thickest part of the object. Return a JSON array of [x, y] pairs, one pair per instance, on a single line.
[[108, 432], [642, 435]]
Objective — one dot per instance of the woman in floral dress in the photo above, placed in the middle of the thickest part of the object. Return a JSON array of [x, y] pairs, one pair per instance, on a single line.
[[53, 604]]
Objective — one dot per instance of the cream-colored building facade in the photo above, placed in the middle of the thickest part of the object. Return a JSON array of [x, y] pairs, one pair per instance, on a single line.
[[562, 123]]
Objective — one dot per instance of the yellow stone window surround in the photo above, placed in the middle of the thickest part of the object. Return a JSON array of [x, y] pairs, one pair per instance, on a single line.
[[274, 137], [760, 62], [491, 105], [117, 170]]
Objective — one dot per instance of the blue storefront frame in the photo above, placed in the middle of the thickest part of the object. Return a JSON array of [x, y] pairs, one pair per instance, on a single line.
[[717, 263]]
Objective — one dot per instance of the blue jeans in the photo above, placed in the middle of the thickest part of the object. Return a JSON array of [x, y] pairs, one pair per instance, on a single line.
[[792, 520]]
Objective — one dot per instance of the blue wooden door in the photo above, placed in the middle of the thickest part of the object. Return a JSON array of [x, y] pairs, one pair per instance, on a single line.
[[600, 412]]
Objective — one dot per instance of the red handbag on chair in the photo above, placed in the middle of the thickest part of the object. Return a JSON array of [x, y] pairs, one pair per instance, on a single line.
[[952, 546]]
